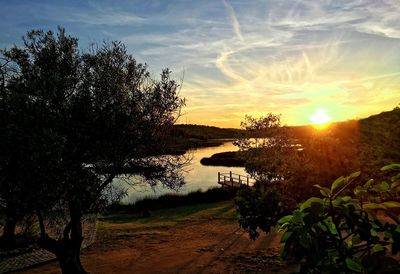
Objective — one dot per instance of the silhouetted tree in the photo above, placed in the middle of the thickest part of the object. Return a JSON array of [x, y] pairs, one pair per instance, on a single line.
[[83, 119], [263, 153], [27, 143]]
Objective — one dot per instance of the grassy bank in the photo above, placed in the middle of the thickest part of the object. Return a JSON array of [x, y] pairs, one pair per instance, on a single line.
[[174, 200], [170, 216]]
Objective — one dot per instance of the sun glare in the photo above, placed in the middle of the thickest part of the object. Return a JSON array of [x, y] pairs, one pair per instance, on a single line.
[[320, 118]]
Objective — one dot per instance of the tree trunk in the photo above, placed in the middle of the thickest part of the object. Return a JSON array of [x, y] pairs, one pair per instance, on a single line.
[[69, 260], [67, 249], [69, 255], [67, 252], [8, 237]]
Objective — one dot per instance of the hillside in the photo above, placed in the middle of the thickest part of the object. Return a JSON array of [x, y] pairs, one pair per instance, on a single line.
[[341, 148], [382, 133], [186, 137], [206, 132]]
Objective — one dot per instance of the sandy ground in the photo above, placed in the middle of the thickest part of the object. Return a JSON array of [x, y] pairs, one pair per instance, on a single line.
[[199, 246]]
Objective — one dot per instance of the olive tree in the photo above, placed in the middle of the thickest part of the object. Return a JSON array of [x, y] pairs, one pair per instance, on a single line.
[[88, 117]]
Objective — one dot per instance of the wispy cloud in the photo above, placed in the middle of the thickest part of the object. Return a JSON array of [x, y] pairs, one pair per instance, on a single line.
[[109, 17], [240, 56], [234, 21]]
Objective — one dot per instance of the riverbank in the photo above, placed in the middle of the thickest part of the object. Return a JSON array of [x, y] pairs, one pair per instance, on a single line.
[[189, 239], [173, 200]]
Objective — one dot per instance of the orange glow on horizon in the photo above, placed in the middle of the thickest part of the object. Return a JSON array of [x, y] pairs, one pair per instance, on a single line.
[[320, 119]]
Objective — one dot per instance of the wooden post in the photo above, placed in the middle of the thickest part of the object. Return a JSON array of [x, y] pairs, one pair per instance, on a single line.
[[224, 180], [230, 176], [247, 180], [219, 177], [240, 182]]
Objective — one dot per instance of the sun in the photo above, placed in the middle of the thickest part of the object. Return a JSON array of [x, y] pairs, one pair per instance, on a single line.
[[320, 117]]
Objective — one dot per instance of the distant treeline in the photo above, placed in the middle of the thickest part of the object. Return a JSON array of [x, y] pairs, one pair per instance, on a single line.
[[207, 132], [186, 137], [378, 134]]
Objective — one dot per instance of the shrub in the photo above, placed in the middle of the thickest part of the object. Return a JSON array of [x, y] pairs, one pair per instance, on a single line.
[[259, 209], [346, 231]]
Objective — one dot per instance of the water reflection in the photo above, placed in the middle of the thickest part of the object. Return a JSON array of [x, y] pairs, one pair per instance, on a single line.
[[197, 176]]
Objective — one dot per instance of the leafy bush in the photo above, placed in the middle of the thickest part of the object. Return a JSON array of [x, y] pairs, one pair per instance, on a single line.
[[259, 209], [346, 231]]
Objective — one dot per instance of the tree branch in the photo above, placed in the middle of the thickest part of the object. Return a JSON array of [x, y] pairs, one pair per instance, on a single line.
[[67, 229]]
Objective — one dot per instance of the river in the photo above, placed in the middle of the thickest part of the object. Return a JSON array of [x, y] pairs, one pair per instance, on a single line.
[[196, 176]]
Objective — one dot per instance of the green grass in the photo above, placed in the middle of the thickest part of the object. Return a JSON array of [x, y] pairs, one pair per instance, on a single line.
[[173, 200], [172, 216]]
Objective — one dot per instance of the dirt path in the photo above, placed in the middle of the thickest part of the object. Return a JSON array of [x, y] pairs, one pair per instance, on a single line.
[[206, 246]]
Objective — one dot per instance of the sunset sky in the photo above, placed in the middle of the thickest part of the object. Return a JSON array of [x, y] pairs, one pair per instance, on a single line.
[[242, 57]]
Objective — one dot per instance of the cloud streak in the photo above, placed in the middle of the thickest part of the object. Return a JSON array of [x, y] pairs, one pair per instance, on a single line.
[[245, 57], [234, 21]]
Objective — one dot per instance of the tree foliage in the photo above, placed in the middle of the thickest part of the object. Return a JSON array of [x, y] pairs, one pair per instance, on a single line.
[[259, 210], [346, 231], [262, 153], [287, 162], [75, 120]]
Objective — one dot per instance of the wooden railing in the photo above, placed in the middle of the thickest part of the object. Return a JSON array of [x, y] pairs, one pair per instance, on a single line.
[[234, 180]]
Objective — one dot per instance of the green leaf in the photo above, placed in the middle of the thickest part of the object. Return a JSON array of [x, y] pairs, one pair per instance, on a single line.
[[326, 192], [353, 175], [381, 187], [322, 227], [285, 219], [359, 191], [356, 239], [307, 203], [342, 201], [395, 185], [377, 248], [349, 244], [331, 226], [286, 236], [368, 183], [297, 217], [314, 210], [337, 183], [395, 177], [391, 204], [354, 265], [373, 206], [346, 198], [390, 167]]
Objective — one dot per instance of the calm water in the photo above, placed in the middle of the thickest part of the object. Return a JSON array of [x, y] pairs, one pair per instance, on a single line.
[[197, 176]]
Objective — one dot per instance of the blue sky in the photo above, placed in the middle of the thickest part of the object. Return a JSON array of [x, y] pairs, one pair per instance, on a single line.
[[244, 57]]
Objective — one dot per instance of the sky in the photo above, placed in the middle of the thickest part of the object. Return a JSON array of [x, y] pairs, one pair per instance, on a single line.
[[238, 57]]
